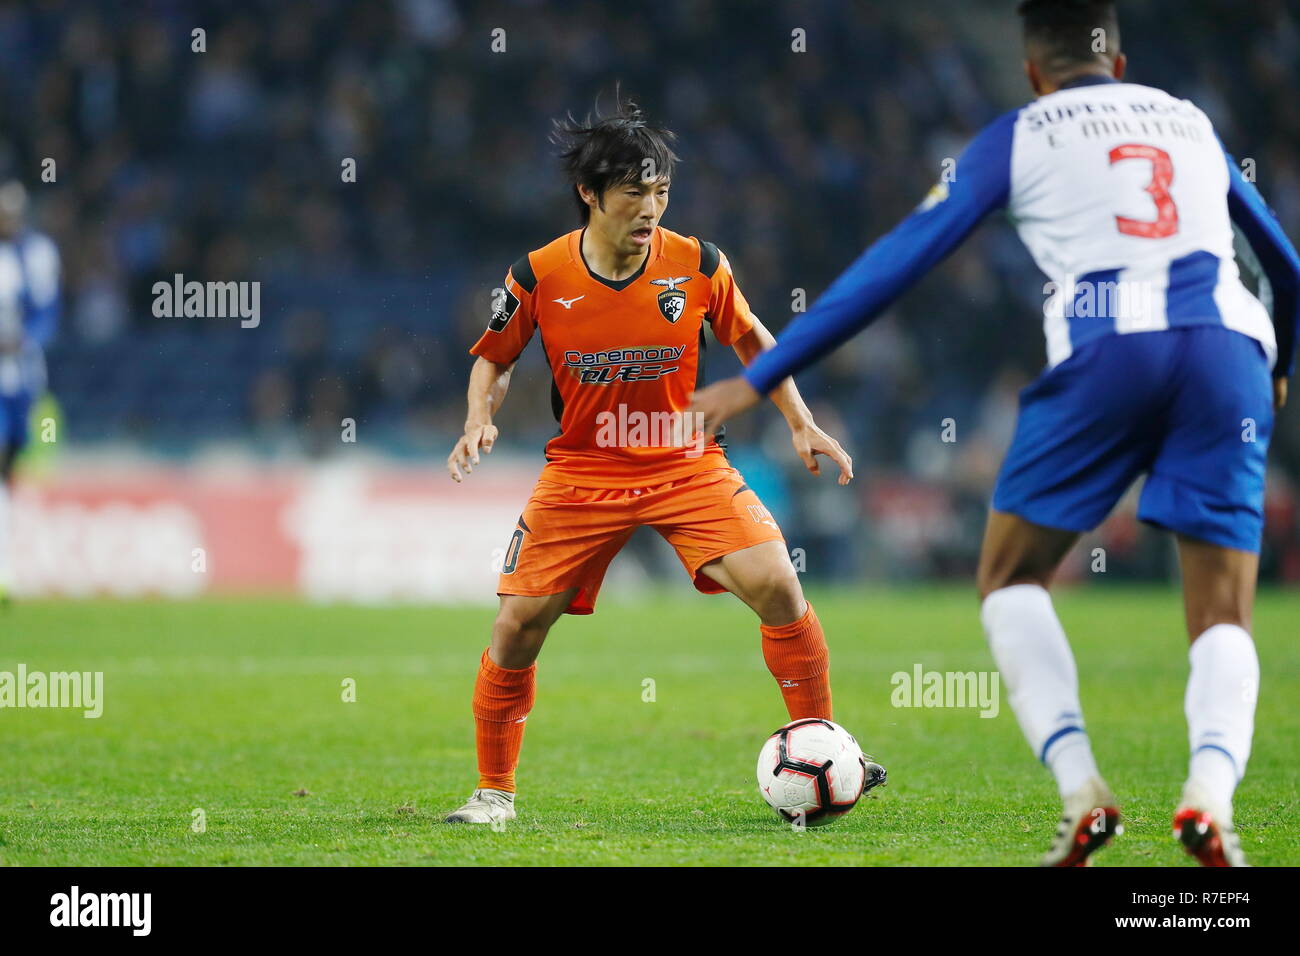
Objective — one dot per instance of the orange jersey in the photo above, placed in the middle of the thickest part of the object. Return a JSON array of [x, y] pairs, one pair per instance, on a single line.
[[624, 355]]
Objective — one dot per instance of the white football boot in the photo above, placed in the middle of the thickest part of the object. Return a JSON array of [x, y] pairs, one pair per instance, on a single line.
[[1204, 828], [485, 806], [1090, 820]]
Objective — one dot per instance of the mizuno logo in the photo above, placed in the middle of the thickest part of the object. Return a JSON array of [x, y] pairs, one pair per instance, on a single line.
[[568, 303], [672, 283], [761, 516]]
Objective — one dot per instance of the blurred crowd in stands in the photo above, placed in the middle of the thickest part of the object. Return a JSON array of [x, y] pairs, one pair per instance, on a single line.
[[227, 164]]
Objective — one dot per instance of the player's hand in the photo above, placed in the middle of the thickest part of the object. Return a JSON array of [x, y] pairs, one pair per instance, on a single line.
[[810, 441], [721, 401], [1279, 392], [465, 455]]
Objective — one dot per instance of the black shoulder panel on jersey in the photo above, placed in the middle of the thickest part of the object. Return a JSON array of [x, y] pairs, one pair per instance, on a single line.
[[709, 258], [523, 273]]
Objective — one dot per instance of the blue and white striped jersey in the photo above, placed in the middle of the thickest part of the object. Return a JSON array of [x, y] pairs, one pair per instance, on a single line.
[[29, 308], [1125, 198]]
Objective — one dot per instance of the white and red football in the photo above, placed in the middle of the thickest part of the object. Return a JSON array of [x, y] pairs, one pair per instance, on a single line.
[[812, 771]]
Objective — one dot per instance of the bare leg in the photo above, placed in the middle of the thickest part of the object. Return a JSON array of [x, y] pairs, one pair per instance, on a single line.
[[794, 645], [1218, 585], [521, 626], [764, 578], [1016, 551]]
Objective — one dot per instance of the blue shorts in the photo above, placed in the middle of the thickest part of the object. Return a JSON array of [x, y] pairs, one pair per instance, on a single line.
[[14, 413], [1191, 408]]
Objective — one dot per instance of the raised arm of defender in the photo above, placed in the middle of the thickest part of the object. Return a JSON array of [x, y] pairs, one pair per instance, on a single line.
[[488, 383], [878, 276]]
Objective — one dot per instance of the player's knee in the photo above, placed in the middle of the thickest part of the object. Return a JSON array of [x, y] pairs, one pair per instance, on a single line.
[[514, 627], [995, 573], [520, 629], [776, 595]]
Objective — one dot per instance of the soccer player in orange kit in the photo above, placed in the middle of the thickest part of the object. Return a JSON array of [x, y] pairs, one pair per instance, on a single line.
[[620, 306]]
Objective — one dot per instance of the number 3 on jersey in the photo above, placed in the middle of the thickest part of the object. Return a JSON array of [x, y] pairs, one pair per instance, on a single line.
[[1162, 174]]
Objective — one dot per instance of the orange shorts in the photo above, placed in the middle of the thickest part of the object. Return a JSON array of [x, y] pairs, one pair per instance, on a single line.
[[567, 536]]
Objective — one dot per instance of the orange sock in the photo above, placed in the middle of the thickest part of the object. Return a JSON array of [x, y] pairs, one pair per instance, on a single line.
[[502, 700], [798, 658]]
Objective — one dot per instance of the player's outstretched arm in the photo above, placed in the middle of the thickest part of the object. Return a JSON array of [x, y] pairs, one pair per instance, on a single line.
[[981, 184], [1281, 266], [809, 440], [488, 383]]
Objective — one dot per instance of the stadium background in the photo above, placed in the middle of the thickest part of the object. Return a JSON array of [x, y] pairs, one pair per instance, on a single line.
[[177, 434]]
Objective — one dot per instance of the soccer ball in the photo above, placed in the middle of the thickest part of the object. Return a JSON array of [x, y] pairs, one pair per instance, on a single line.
[[812, 771]]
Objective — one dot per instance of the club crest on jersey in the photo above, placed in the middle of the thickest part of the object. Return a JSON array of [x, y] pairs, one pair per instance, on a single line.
[[672, 301], [938, 193]]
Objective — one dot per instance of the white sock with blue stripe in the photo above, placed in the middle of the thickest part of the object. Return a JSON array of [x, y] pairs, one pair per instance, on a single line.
[[1037, 668], [1220, 706]]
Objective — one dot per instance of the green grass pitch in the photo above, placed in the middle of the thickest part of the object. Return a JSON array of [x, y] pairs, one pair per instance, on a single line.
[[235, 708]]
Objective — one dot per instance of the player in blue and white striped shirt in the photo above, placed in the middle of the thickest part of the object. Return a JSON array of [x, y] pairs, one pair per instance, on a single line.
[[29, 309], [1160, 363]]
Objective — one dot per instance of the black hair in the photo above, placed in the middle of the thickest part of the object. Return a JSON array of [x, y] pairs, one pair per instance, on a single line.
[[611, 149], [1061, 35]]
